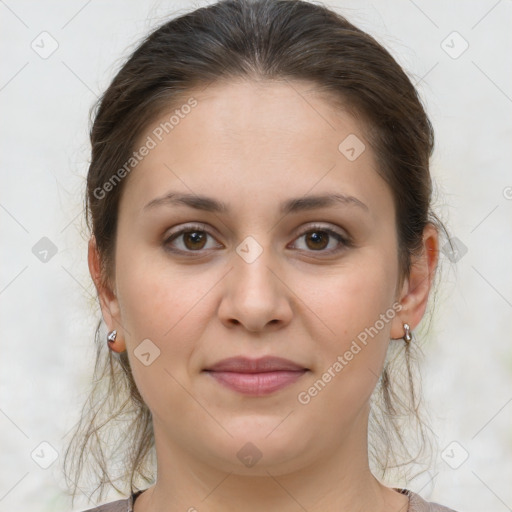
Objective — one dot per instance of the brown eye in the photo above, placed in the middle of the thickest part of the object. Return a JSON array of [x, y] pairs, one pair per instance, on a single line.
[[191, 239], [194, 239], [317, 240]]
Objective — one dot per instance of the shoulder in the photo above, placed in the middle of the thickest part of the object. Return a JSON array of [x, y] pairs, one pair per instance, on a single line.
[[124, 505], [418, 504]]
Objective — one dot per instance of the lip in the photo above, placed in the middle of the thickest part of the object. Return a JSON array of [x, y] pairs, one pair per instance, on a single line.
[[242, 364], [256, 377]]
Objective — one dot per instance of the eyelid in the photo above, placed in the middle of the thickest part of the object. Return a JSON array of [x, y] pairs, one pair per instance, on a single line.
[[344, 239], [198, 226], [321, 227]]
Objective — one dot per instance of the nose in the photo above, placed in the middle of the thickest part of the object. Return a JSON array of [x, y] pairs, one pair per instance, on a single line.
[[255, 295]]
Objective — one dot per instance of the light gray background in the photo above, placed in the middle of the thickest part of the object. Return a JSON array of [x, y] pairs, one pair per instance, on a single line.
[[47, 308]]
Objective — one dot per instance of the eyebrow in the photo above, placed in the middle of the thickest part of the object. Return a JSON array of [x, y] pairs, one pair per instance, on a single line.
[[201, 202]]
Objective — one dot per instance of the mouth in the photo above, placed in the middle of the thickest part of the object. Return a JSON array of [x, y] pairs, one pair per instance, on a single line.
[[256, 377], [257, 384]]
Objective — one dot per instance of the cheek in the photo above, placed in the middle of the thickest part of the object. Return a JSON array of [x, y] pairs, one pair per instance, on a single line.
[[147, 302], [163, 303], [353, 350], [149, 288], [164, 308], [350, 304], [155, 303]]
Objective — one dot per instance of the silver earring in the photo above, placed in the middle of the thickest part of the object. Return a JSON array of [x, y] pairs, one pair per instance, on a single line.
[[112, 336], [407, 336]]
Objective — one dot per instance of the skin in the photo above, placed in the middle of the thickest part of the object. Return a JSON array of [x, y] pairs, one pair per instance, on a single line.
[[254, 145]]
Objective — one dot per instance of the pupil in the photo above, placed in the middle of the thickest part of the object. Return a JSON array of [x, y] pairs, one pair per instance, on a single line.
[[195, 237], [317, 238]]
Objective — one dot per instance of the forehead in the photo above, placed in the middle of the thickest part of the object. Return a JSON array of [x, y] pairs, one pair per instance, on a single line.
[[253, 138], [277, 113]]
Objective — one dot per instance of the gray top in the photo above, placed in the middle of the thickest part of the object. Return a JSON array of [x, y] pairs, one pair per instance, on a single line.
[[416, 504]]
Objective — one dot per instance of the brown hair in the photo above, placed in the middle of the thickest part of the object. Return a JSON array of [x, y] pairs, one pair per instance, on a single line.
[[260, 40]]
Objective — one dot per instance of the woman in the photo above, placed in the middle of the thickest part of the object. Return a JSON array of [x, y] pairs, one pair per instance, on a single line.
[[259, 201]]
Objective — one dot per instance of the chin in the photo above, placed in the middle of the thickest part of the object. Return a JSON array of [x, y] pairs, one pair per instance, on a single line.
[[255, 452]]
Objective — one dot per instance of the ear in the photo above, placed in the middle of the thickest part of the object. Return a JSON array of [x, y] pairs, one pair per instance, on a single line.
[[108, 300], [416, 287]]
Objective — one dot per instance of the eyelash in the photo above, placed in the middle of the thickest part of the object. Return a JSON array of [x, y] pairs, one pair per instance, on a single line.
[[345, 241]]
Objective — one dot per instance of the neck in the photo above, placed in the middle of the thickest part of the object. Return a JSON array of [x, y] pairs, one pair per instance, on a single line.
[[337, 480]]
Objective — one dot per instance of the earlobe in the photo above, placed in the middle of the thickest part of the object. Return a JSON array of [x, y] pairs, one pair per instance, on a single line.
[[416, 289], [108, 301]]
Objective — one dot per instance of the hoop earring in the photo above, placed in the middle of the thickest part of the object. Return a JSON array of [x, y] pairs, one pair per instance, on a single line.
[[407, 336]]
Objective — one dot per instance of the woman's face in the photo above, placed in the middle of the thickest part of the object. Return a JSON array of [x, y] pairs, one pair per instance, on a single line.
[[271, 275]]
